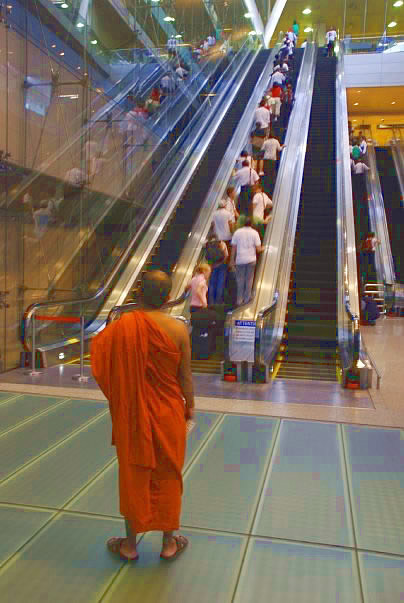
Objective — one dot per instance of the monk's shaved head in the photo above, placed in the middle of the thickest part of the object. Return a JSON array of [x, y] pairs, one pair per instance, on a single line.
[[155, 288]]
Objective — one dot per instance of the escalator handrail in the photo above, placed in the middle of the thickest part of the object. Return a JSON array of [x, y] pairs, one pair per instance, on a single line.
[[398, 158], [33, 308], [117, 310], [377, 214], [279, 238], [348, 286]]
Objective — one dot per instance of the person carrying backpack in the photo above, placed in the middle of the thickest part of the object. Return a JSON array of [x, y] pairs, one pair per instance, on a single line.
[[216, 255]]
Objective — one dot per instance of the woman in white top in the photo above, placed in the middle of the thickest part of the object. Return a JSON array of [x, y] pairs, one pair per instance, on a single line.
[[199, 287]]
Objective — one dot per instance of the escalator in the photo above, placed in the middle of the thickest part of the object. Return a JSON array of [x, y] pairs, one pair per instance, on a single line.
[[309, 345], [213, 364], [393, 207]]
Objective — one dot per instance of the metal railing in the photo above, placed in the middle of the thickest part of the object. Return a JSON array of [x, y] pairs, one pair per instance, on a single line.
[[371, 44]]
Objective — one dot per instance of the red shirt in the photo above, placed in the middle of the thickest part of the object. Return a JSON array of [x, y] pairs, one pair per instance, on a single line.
[[277, 92]]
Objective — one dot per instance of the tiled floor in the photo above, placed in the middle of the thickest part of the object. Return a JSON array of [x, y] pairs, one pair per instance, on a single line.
[[276, 510]]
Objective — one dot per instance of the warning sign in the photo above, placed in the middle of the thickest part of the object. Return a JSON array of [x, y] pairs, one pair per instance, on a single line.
[[244, 330]]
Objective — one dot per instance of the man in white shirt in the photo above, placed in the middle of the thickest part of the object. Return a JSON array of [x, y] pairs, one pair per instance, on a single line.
[[303, 44], [330, 37], [230, 203], [260, 202], [181, 72], [363, 146], [276, 78], [271, 147], [167, 84], [246, 177], [360, 167], [171, 45], [263, 115], [222, 222], [246, 243]]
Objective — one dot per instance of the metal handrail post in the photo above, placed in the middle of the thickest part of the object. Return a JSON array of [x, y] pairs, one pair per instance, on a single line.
[[81, 377], [33, 372]]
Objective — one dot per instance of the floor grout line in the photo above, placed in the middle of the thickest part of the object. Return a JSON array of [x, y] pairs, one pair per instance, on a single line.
[[11, 399], [266, 473], [90, 483], [201, 448], [53, 447], [33, 417]]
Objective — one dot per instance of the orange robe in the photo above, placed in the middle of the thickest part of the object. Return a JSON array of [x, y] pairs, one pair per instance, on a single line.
[[136, 364]]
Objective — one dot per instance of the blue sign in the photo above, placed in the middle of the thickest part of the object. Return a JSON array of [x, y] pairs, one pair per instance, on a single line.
[[245, 323]]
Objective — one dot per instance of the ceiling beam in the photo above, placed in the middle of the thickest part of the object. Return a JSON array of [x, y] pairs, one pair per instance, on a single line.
[[273, 21], [255, 17]]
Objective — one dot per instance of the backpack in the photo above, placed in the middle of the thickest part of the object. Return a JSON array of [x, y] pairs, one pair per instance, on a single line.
[[213, 253]]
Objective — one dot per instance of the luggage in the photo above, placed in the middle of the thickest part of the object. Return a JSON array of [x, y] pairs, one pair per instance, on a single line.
[[202, 341]]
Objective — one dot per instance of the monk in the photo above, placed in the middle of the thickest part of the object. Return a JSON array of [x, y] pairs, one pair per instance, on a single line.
[[142, 363]]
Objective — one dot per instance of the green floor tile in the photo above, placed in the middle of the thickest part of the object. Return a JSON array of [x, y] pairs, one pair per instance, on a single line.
[[54, 478], [382, 578], [205, 573], [375, 459], [304, 496], [23, 408], [280, 572], [102, 495], [17, 526], [7, 396], [221, 487], [205, 421], [31, 439], [67, 562]]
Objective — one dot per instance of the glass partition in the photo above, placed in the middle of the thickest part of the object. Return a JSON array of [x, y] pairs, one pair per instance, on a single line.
[[66, 160], [120, 231]]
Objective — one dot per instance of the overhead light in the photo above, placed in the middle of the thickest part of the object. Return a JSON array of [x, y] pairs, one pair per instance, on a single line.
[[354, 120], [62, 54], [53, 45], [398, 3], [247, 15], [393, 102], [61, 356], [94, 42], [252, 33], [169, 19], [306, 11], [358, 91], [382, 119], [308, 29], [178, 36], [392, 24], [64, 5], [356, 103], [155, 0], [80, 25]]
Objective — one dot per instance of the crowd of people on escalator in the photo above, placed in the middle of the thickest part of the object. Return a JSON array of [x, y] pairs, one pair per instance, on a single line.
[[224, 280]]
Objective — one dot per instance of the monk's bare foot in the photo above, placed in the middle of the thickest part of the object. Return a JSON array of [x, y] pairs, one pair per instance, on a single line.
[[122, 547], [173, 546], [127, 550]]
